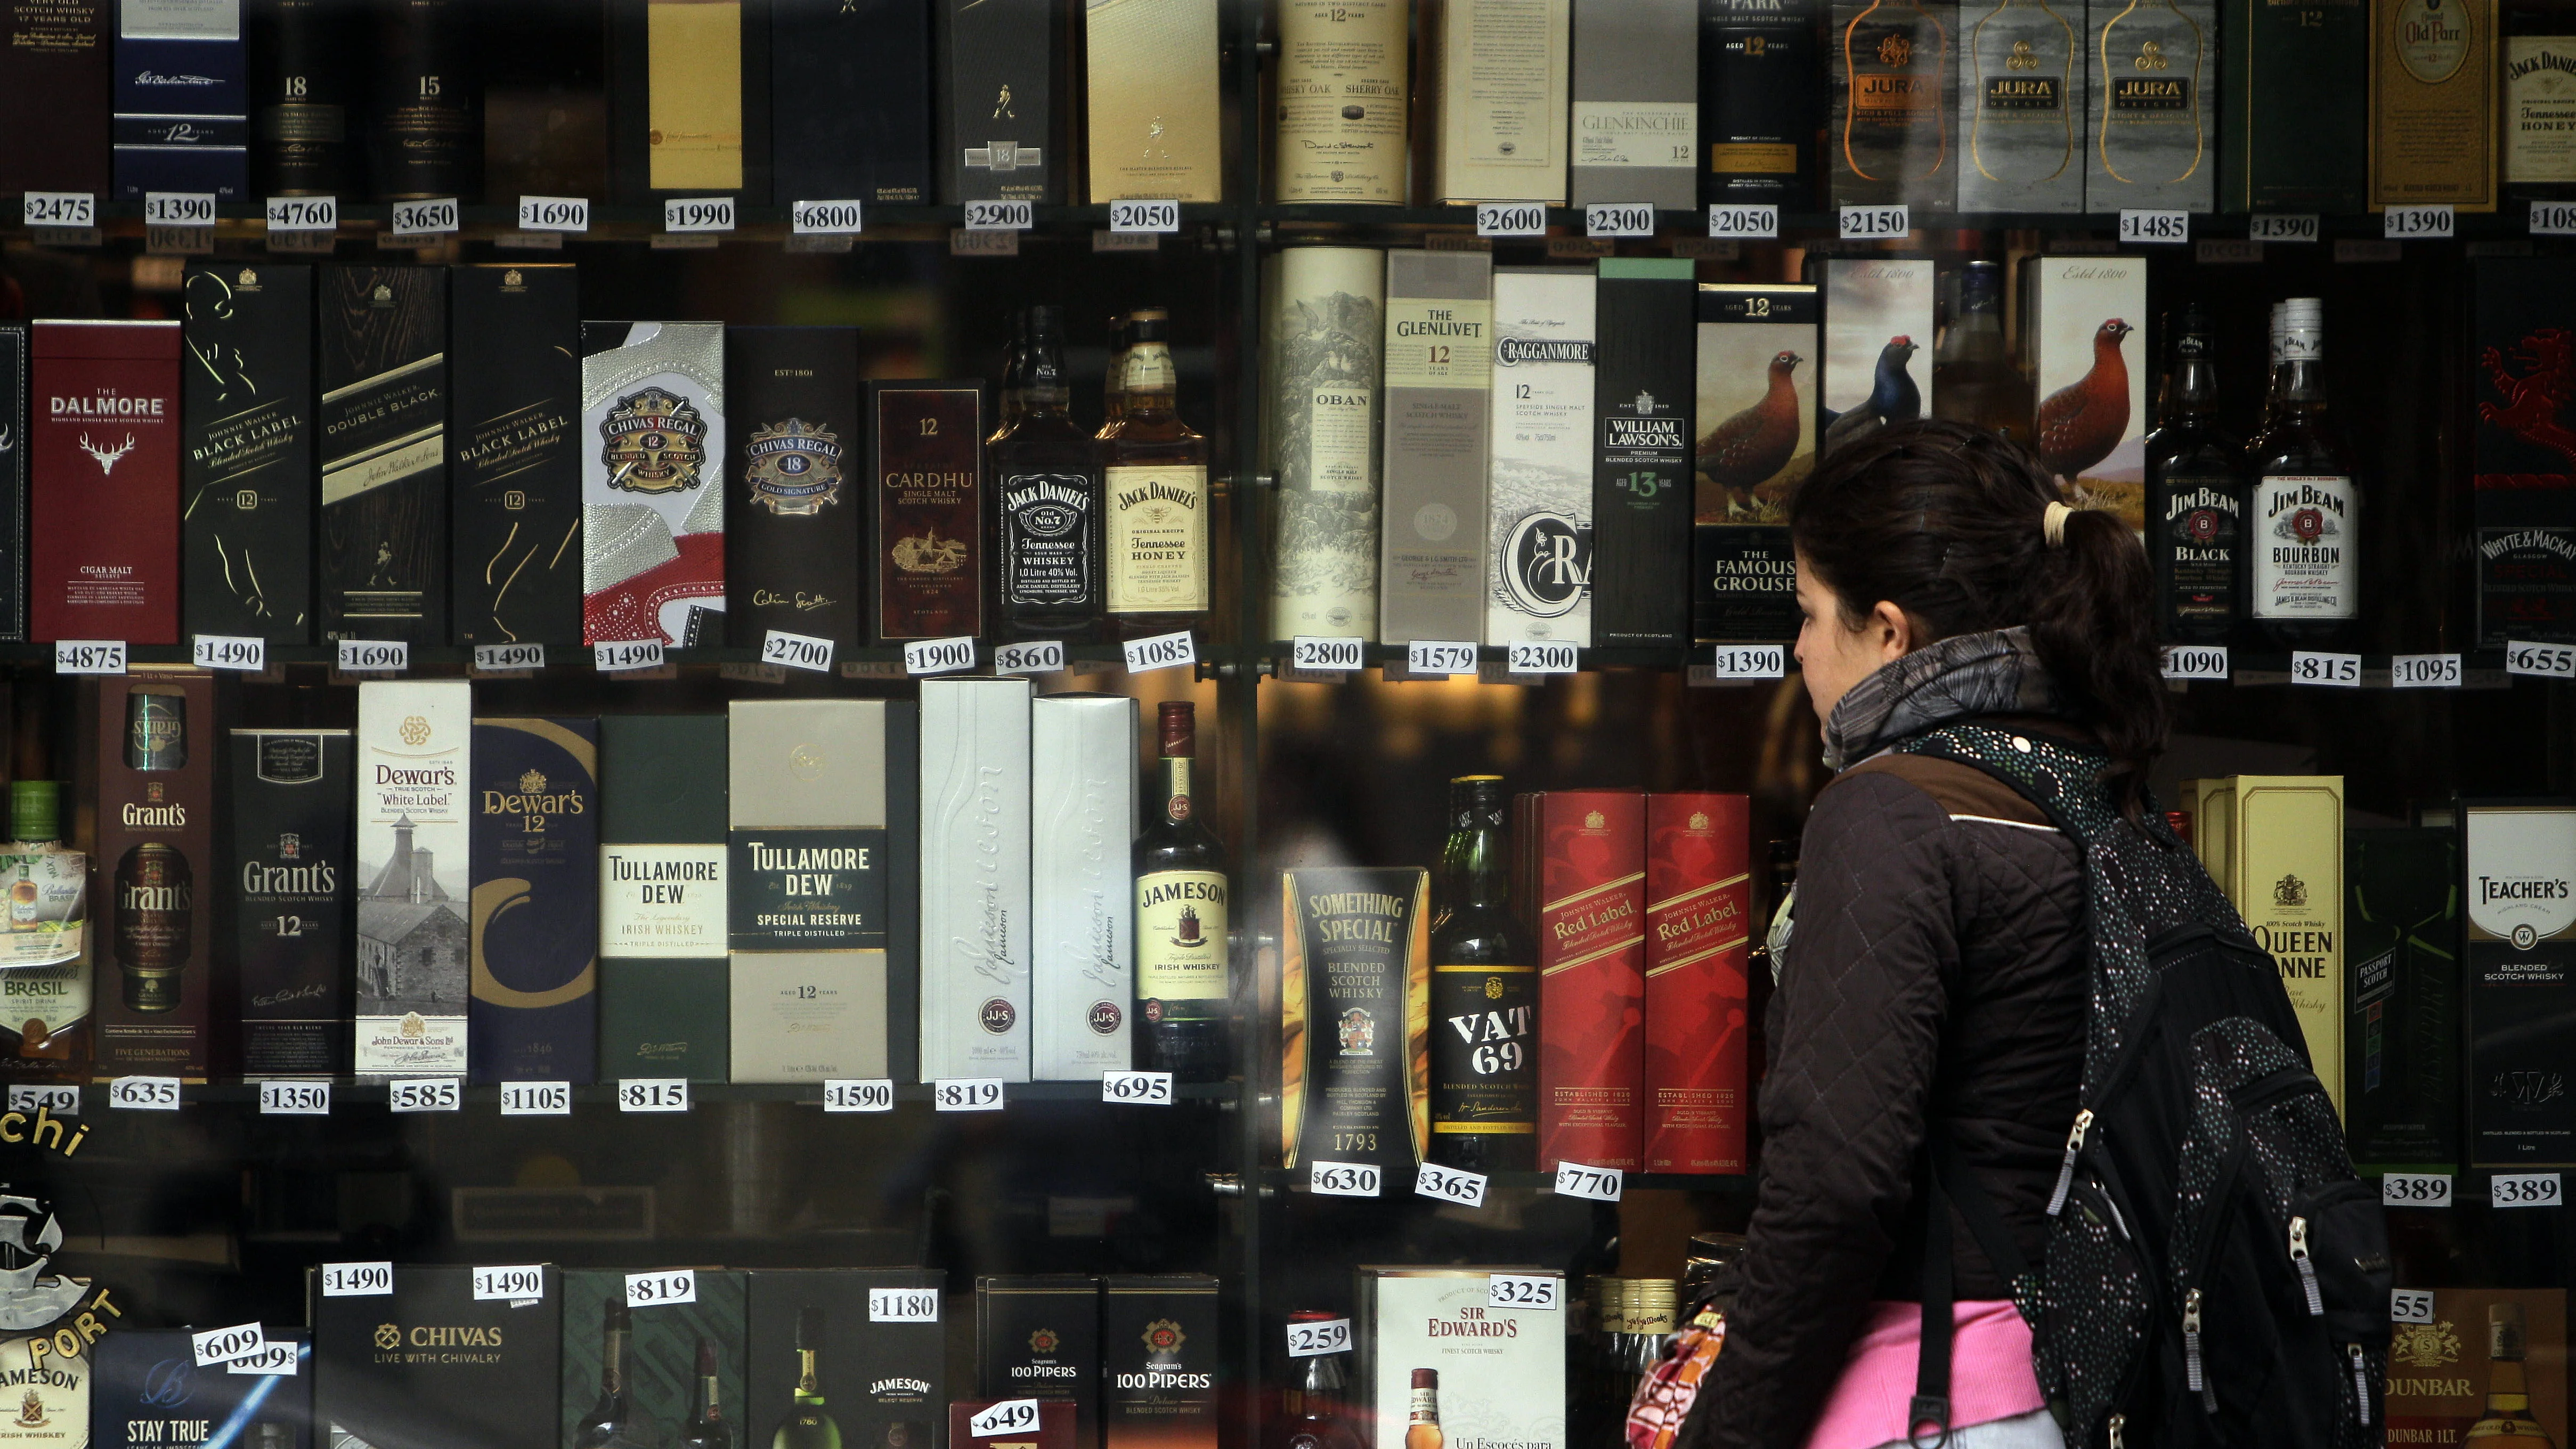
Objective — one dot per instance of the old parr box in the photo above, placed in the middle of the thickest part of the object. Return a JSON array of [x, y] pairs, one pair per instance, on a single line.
[[1355, 958], [157, 749], [248, 474], [414, 749], [975, 878], [1159, 1361], [1082, 936], [1038, 1336], [1761, 107], [1000, 133], [663, 999], [516, 421], [885, 1381], [653, 470], [1428, 1339], [535, 900], [54, 95], [2433, 103], [433, 1367], [794, 530], [294, 917], [1538, 503], [925, 468], [2401, 1077], [1699, 916], [850, 97], [1584, 852], [2519, 859], [2523, 500], [104, 453], [1641, 459], [1756, 425], [2288, 857], [1439, 366], [654, 1354], [384, 453]]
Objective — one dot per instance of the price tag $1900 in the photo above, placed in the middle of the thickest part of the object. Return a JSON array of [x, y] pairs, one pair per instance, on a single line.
[[1316, 1336], [939, 656]]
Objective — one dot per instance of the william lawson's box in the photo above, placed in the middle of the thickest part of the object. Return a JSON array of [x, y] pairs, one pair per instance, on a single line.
[[247, 475], [1082, 940], [431, 1366], [1039, 1337], [794, 534], [2401, 1076], [652, 1353], [155, 874], [1159, 1360], [103, 540], [883, 1381], [1355, 954], [295, 916], [384, 453], [1494, 1375], [1641, 460], [535, 901], [975, 878], [663, 997], [414, 746], [1758, 351], [2519, 858], [516, 419]]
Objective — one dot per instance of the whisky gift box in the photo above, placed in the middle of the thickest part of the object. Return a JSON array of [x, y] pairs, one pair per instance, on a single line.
[[14, 376], [300, 86], [1498, 1373], [2519, 859], [1439, 367], [247, 470], [2539, 84], [2088, 321], [2442, 1372], [148, 1391], [414, 805], [1495, 78], [424, 128], [1538, 506], [1894, 93], [1756, 426], [885, 1382], [1584, 853], [794, 529], [54, 95], [384, 453], [1642, 389], [689, 107], [926, 459], [1760, 110], [182, 98], [534, 874], [516, 574], [1327, 330], [2022, 66], [850, 101], [1152, 84], [663, 996], [1877, 368], [660, 1348], [2295, 123], [1038, 1337], [1635, 83], [103, 535], [294, 917], [154, 872], [1342, 101], [545, 83], [2523, 503], [1354, 1005], [652, 482], [1159, 1358], [1082, 937], [2401, 1077], [975, 878], [2148, 109], [1699, 918], [999, 138], [434, 1367], [2288, 859], [2433, 103]]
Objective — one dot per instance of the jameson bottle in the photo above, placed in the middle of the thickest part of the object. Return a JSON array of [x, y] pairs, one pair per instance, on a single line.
[[611, 1423], [2195, 496], [2303, 558], [808, 1425], [1484, 994], [1157, 476], [706, 1427], [1046, 498], [2507, 1422], [1182, 984]]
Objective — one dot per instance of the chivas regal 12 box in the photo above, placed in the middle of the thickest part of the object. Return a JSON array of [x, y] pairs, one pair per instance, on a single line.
[[1878, 367], [1699, 919], [2479, 1342], [2295, 121], [104, 455], [247, 471], [2433, 103], [431, 1366], [1354, 958], [1153, 120], [1538, 507], [794, 528], [1584, 853], [975, 878], [1039, 1337], [2524, 504], [1636, 103], [926, 462], [2518, 858], [149, 1392], [54, 95], [535, 900], [2401, 1076], [293, 920], [1641, 460], [653, 456], [2021, 106], [2088, 333], [384, 453], [850, 99], [157, 749], [688, 103], [653, 1354], [663, 997], [1495, 79], [1439, 369], [1082, 938], [998, 135], [1494, 1375], [1759, 104], [1758, 351], [1894, 85], [414, 748], [2149, 109], [14, 376], [884, 1376], [1159, 1361], [516, 414], [2288, 857], [1342, 101], [182, 98]]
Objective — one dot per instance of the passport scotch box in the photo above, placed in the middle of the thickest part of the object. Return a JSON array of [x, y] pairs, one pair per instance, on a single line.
[[2288, 855], [1355, 953], [794, 528], [248, 475], [1699, 917], [1159, 1361], [2523, 504], [2402, 999], [431, 1367], [154, 874], [1584, 850], [975, 878], [294, 919], [104, 453], [1039, 1337], [885, 1382], [1759, 356], [414, 809], [1082, 974], [653, 471], [2519, 860], [516, 420], [1502, 1370], [1643, 370], [1000, 132], [661, 1351], [150, 1393], [535, 904], [663, 995], [1439, 368], [384, 453]]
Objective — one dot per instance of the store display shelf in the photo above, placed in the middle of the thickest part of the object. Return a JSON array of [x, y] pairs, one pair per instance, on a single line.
[[867, 661], [2512, 221], [484, 1097], [2477, 669], [649, 214], [1294, 1179]]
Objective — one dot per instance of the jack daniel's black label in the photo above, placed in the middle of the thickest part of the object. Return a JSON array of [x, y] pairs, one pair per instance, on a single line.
[[1049, 539]]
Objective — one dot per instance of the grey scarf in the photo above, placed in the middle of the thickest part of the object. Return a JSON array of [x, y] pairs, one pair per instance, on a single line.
[[1997, 672]]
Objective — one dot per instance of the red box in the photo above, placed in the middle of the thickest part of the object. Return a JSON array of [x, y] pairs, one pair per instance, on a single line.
[[105, 557], [1699, 930], [1587, 851]]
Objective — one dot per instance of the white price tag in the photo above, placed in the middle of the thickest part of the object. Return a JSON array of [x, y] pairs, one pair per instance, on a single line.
[[825, 218], [304, 213], [491, 657], [1037, 656], [1535, 1291], [1342, 1179], [2549, 661], [697, 213], [1540, 656], [1510, 218], [229, 651], [62, 1100], [89, 656], [796, 651], [1162, 651], [1744, 223], [514, 1283], [2410, 1305], [938, 656], [60, 208], [2276, 226], [1874, 223], [357, 1280], [652, 1094], [425, 1094], [1308, 651], [536, 1099], [554, 213], [425, 218], [1000, 216], [2424, 671], [295, 1099], [1010, 1416], [1601, 1184], [1618, 220], [626, 654], [2415, 1189], [144, 1094], [2195, 661], [903, 1305], [859, 1094], [2524, 1189], [1319, 1336], [663, 1289], [2342, 671], [967, 1094], [1151, 1089], [276, 1359], [1450, 1185], [2155, 228], [223, 1345], [2417, 223], [1146, 216], [1748, 661], [1440, 656], [2553, 218], [374, 656], [179, 208]]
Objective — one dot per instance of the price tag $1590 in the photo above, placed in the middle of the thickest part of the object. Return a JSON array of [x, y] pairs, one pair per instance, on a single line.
[[2415, 1189], [1010, 1416], [1308, 651], [1523, 1290], [859, 1094], [656, 1290], [1317, 1336]]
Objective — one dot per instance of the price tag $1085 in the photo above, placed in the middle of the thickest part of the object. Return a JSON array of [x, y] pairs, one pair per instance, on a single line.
[[656, 1290], [1010, 1416], [1317, 1336], [1523, 1290], [1162, 651]]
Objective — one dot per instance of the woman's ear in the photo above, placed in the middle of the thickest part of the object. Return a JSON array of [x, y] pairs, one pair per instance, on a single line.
[[1890, 632]]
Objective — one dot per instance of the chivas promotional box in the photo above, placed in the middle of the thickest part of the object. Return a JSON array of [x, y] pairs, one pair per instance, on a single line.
[[1082, 819], [414, 804], [2088, 331], [1636, 103], [1699, 920], [182, 99], [652, 486], [1153, 80], [795, 526], [999, 137], [689, 98], [2149, 109], [13, 480], [926, 462], [2480, 1342], [1039, 1337], [1326, 331], [663, 995], [2401, 1077], [885, 1382], [975, 878], [247, 472], [433, 1367], [1538, 506], [54, 95], [1878, 366], [294, 919], [1758, 351], [1342, 101], [1496, 1375], [1760, 106], [2296, 118], [149, 1392], [1641, 459], [2021, 105], [1495, 77], [1159, 1361], [157, 750], [2288, 857], [1584, 851], [104, 453], [516, 419], [2433, 103], [655, 1352], [1895, 82], [2518, 858], [384, 453], [2523, 508], [850, 100], [1354, 958], [1439, 367], [535, 920]]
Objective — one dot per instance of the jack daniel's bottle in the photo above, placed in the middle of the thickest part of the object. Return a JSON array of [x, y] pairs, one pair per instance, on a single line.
[[1047, 502], [1484, 994]]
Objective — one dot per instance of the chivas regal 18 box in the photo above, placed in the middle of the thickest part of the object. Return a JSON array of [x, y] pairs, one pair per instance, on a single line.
[[13, 479], [182, 99], [149, 1392], [884, 1381], [1153, 79], [655, 1355], [2433, 103], [2296, 116], [1159, 1361], [663, 997], [1082, 938], [1585, 854], [431, 1366], [2479, 1342], [1877, 368], [2088, 331], [1894, 86], [293, 921], [384, 453], [516, 416], [1641, 459], [1354, 963], [2149, 109], [2401, 1076], [54, 95], [653, 456], [2524, 505], [1495, 78], [793, 529], [1439, 368], [850, 98], [1759, 104], [975, 878], [414, 789], [998, 134], [1758, 351], [1636, 103], [1699, 918], [2288, 856], [157, 748], [2021, 105], [535, 900], [247, 470], [926, 462], [1039, 1337], [2519, 858], [1493, 1376], [1538, 508], [104, 518]]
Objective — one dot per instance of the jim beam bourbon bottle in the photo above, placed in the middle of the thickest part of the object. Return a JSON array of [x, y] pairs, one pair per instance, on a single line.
[[1182, 983], [2303, 558]]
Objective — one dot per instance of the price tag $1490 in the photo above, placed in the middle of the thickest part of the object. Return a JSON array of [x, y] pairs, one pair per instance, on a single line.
[[357, 1280], [515, 1283]]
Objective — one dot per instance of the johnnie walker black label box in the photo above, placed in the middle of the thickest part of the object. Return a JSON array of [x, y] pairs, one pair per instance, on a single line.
[[2518, 863], [247, 476], [2523, 504], [1642, 379], [2401, 922], [1159, 1357], [430, 1366], [1038, 1337], [1355, 948], [874, 1341], [1761, 101], [13, 480], [383, 338], [516, 422], [535, 925], [998, 137], [850, 98], [1759, 346], [295, 907], [652, 1352], [662, 916], [147, 1391], [794, 513]]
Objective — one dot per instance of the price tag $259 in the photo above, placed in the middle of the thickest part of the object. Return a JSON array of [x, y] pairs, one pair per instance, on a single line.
[[1316, 1336]]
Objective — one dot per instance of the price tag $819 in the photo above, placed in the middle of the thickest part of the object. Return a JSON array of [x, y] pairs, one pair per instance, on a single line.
[[654, 1290]]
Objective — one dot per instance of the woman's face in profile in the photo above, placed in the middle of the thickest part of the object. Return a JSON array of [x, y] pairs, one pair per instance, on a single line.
[[1832, 654]]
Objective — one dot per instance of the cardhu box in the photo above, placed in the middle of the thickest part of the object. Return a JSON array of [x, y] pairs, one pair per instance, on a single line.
[[516, 421], [414, 809], [154, 872], [794, 530], [653, 456], [2519, 860], [850, 100], [1082, 819], [1038, 1337], [1699, 919], [294, 917], [1584, 850], [535, 911], [926, 466], [2401, 1076], [1355, 954], [1758, 346], [384, 453], [1159, 1361], [662, 917], [248, 470], [2523, 507], [433, 1367], [884, 1376], [104, 520]]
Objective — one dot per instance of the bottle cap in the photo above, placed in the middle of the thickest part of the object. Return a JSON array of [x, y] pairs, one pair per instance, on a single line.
[[1476, 802], [1426, 1378], [1178, 719], [35, 810], [1981, 288], [615, 1316], [1152, 324], [809, 1328], [2504, 1331]]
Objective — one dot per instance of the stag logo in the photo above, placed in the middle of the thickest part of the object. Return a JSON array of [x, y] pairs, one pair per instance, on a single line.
[[107, 457]]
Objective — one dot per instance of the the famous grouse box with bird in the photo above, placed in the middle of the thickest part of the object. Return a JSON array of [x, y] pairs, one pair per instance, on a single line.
[[1878, 347], [2088, 336], [1757, 440], [2524, 505]]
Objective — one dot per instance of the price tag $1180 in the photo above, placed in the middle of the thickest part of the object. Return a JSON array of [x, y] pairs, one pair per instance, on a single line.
[[903, 1305]]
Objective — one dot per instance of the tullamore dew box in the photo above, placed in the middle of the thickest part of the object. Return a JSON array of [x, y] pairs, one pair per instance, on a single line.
[[1082, 938], [2401, 1076], [997, 133], [156, 873], [1756, 426], [2433, 103], [2295, 122], [1354, 996], [1760, 101], [514, 419], [1342, 100], [1583, 853], [1429, 1340], [1038, 1336], [1153, 80], [1160, 1360], [925, 473], [2151, 123], [1538, 505], [535, 900], [2021, 105], [663, 997], [247, 476], [1495, 79], [2289, 888], [2523, 503], [1636, 103], [653, 479], [793, 529], [432, 1366], [884, 1379], [293, 921], [1439, 365], [103, 540], [1641, 458], [2519, 858], [1699, 915], [975, 878], [414, 746], [383, 341], [1326, 331]]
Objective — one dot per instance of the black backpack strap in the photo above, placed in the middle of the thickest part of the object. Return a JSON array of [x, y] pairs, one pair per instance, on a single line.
[[1930, 1411], [1985, 1221]]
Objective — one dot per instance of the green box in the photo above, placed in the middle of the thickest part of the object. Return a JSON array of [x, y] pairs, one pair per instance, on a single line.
[[2401, 921], [2294, 124], [661, 1352]]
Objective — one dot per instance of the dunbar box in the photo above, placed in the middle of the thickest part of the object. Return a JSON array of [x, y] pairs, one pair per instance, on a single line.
[[384, 453], [663, 998], [1153, 121], [1760, 105], [1354, 958], [516, 420], [1439, 367], [2481, 1342], [1699, 917], [1584, 850], [653, 456], [434, 1367], [1082, 820], [975, 878], [182, 98], [2524, 504], [1039, 1337], [998, 134], [246, 469], [1538, 508], [295, 917], [2401, 1080], [1757, 442], [655, 1355], [849, 100], [883, 1382], [53, 95], [793, 530], [926, 464], [104, 452], [414, 747], [2519, 858], [155, 873], [1427, 1339], [535, 911], [1159, 1357], [1641, 458]]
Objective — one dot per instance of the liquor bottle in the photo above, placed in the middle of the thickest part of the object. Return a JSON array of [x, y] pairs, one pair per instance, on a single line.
[[2539, 99], [1182, 980], [706, 1427], [1973, 379], [426, 128], [808, 1425], [1113, 378], [155, 885], [1312, 1414], [1484, 995], [613, 1420], [1422, 1420], [2195, 495], [299, 104], [1650, 1326], [1047, 498], [2303, 565], [1015, 357], [1157, 536], [2262, 435], [45, 1002], [2507, 1422]]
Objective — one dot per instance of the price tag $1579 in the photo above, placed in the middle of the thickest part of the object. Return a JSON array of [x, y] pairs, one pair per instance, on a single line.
[[1317, 1336]]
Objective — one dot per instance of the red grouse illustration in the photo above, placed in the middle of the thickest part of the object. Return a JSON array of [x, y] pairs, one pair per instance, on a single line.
[[2081, 423], [1755, 444]]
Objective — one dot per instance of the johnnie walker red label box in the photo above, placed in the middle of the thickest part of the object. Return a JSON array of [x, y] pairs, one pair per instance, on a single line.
[[926, 465], [1585, 859], [154, 749], [105, 517], [1699, 910]]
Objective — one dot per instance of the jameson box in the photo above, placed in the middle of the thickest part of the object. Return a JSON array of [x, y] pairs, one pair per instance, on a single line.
[[433, 1367], [294, 918], [1082, 820], [13, 481], [1584, 850], [1760, 107], [2519, 859], [975, 878], [2288, 856], [2442, 1374], [2295, 118], [998, 134], [1636, 103], [2021, 106], [182, 98], [154, 873], [663, 997], [1699, 916], [1757, 441], [2088, 332], [2433, 103], [1495, 81], [1878, 318], [794, 526], [1439, 366], [53, 95], [384, 453], [850, 100], [1894, 95], [1039, 1337], [414, 746], [2524, 471], [1499, 1373], [884, 1381], [1159, 1361], [246, 469], [1355, 955], [652, 483], [104, 456], [656, 1348], [2401, 1078], [2149, 107], [926, 461], [1538, 509], [535, 921], [1641, 458], [149, 1392], [516, 421], [1152, 84]]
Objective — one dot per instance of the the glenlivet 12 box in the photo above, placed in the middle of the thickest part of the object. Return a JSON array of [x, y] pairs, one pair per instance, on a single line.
[[431, 1366], [294, 916], [535, 900], [384, 453], [414, 749], [1082, 939], [247, 470], [653, 481], [103, 538], [156, 750], [1439, 365], [1355, 953], [516, 423], [975, 878], [794, 531], [663, 997]]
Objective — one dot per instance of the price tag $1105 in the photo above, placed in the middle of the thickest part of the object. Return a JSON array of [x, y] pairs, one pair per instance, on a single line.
[[1314, 1337], [1538, 1291], [2415, 1189], [536, 1099], [657, 1290], [1010, 1416]]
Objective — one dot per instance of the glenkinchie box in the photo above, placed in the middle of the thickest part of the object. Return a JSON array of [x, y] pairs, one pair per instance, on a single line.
[[149, 1392], [1082, 937], [1439, 368], [2088, 332], [1761, 107], [103, 536], [2295, 121], [431, 1366], [516, 420], [1159, 1361], [2523, 500], [2518, 858], [926, 466], [999, 137], [2401, 1077], [247, 469], [155, 872], [1699, 919], [1636, 103], [414, 808], [1153, 123], [2022, 65], [1642, 389], [294, 914], [794, 528], [2433, 103], [882, 1374], [653, 478], [1038, 1336], [1495, 78], [2288, 858], [1538, 503], [1584, 852], [2149, 109], [663, 993], [1894, 79], [654, 1354], [535, 900], [384, 372], [975, 878], [870, 140], [1756, 425], [1428, 1338], [182, 98], [1355, 954], [1878, 327]]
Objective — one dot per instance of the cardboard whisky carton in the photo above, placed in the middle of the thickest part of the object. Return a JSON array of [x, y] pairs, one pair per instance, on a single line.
[[434, 1367], [415, 747], [1159, 1361], [926, 464], [1154, 128], [1877, 367], [1760, 110], [794, 535], [1636, 103], [663, 992], [1895, 85], [2149, 108], [2440, 1373], [384, 453], [516, 418], [975, 878], [247, 472], [182, 98], [999, 133], [1439, 367], [534, 841], [1327, 328], [1082, 820], [2433, 103], [850, 100], [2523, 499], [2088, 330], [1342, 101], [1641, 460], [2402, 999], [1496, 79], [689, 109], [1584, 854], [2288, 856], [1538, 509], [653, 471], [1354, 1003], [2296, 120], [2519, 859], [54, 95], [1039, 1337], [154, 872], [294, 917], [2021, 105], [103, 450], [1699, 918], [1756, 424], [885, 1381], [14, 377], [149, 1392], [1499, 1373], [660, 1351]]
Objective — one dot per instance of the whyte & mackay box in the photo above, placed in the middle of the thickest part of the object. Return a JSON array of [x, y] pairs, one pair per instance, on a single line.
[[2296, 118], [1758, 345], [2433, 103], [850, 100], [384, 453], [1699, 918], [2519, 860], [664, 1002], [14, 376], [1038, 1337], [794, 530], [1636, 103], [2401, 1077], [1082, 936], [2022, 65], [1496, 1375], [535, 900], [1153, 82], [182, 98], [294, 918], [2288, 857], [516, 417], [414, 748], [925, 465], [1643, 385], [1439, 368], [247, 472], [433, 1367], [1583, 851], [998, 134], [154, 873], [1538, 506], [1159, 1359], [103, 536], [975, 878], [1760, 107], [1354, 999], [657, 1346], [885, 1381], [2523, 500], [653, 469], [1495, 79]]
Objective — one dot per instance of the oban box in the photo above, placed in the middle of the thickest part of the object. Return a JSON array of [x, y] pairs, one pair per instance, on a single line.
[[1584, 851], [295, 917], [414, 749], [885, 1381], [1538, 505], [662, 1341], [535, 900], [433, 1367], [653, 471], [156, 754], [247, 469], [2523, 503], [850, 100], [1699, 918], [1439, 368], [2401, 1081], [998, 135], [663, 997], [975, 878], [2518, 858], [516, 418], [926, 461], [1038, 1337], [794, 529], [104, 451], [1082, 822], [1159, 1361], [1756, 425], [1643, 392], [1501, 1371], [1354, 963], [383, 339]]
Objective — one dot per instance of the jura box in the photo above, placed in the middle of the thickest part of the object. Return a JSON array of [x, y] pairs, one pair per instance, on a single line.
[[154, 874], [1761, 101], [1894, 78], [663, 995], [534, 874], [925, 471], [294, 911], [414, 785], [182, 94], [1439, 366], [1642, 386], [998, 134], [2088, 336], [2288, 856], [1153, 82], [2522, 503], [1082, 938], [1699, 922], [1160, 1361], [1585, 853], [1038, 1337], [653, 479], [884, 1381], [431, 1366], [1756, 424], [975, 878], [515, 418], [2518, 858], [1355, 954], [850, 100], [661, 1352], [2401, 1076], [1499, 1373], [103, 536], [2149, 106], [1495, 78], [1636, 103], [1538, 506], [149, 1392], [2021, 105], [247, 470], [794, 528], [383, 342]]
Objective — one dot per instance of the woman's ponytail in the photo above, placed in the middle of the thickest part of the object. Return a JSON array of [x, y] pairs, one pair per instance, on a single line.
[[2091, 611]]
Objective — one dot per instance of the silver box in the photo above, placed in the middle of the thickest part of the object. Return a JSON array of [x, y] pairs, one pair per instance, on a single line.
[[1082, 821], [975, 878]]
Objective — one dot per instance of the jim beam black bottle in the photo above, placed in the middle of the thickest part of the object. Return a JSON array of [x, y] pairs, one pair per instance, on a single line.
[[1484, 994]]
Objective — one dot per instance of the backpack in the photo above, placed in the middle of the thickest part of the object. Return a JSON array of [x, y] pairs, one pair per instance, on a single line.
[[2216, 1273]]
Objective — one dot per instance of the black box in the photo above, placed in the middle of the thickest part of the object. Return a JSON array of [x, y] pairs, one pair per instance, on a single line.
[[147, 1392], [516, 426], [1643, 376], [1761, 101], [294, 811], [1159, 1361], [2401, 926], [637, 137], [432, 1367], [384, 453], [999, 138], [1038, 1337], [886, 1383], [795, 513], [2518, 860], [246, 463], [534, 827], [13, 481], [661, 1354], [849, 89], [2523, 499]]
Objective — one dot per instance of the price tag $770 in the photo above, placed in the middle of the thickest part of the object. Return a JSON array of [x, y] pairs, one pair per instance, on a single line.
[[1537, 1291], [1601, 1184], [1317, 1336], [1007, 1417]]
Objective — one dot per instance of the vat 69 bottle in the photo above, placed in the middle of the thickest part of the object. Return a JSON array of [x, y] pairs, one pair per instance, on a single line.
[[1484, 994], [1182, 984]]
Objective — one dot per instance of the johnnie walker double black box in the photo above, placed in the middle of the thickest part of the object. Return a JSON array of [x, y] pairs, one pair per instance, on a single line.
[[295, 907], [2401, 923], [2522, 510], [998, 134], [148, 1391], [850, 98], [1642, 379], [247, 477], [663, 993], [1159, 1357], [430, 1366], [655, 1354], [874, 1341], [383, 335], [794, 533], [1038, 1337], [534, 833], [516, 423]]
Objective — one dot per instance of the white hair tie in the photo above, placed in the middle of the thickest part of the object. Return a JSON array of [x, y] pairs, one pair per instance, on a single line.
[[2052, 524]]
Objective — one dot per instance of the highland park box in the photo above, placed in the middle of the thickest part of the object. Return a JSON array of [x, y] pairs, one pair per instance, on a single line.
[[294, 917], [2401, 1076], [1495, 78], [1153, 80], [2295, 123], [1699, 918], [2288, 856], [652, 482], [926, 466], [1758, 351], [156, 752], [795, 528], [433, 1367], [1439, 367], [885, 1381], [535, 900], [1636, 103], [383, 341], [689, 105], [1583, 852], [103, 535], [1642, 387], [14, 376], [1496, 1376], [2087, 332], [1760, 105], [2523, 503], [1082, 938], [653, 1354], [54, 95], [1355, 953], [1538, 505], [999, 133], [1039, 1337], [663, 993], [2433, 103], [2021, 106], [247, 471], [516, 421], [2148, 109], [149, 1392], [1159, 1361], [182, 94], [2518, 859], [975, 878], [414, 749], [868, 62]]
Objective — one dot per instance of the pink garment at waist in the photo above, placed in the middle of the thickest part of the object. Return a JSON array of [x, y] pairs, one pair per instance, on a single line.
[[1990, 1373]]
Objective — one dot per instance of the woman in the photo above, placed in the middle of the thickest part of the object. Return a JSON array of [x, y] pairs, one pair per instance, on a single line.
[[1939, 966]]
